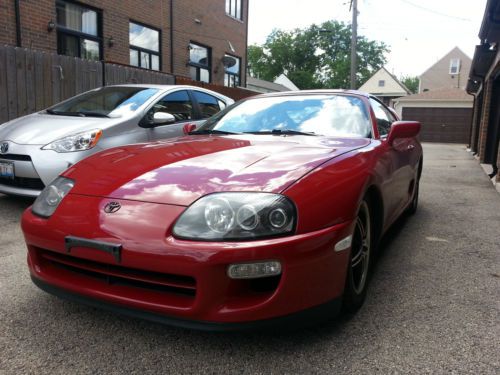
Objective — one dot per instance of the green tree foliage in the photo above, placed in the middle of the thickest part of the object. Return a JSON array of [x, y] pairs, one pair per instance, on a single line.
[[315, 57], [411, 83]]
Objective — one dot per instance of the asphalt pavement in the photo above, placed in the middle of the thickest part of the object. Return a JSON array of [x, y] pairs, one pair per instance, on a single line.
[[433, 304]]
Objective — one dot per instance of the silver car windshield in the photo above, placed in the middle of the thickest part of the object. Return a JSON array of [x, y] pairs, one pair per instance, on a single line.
[[105, 102], [329, 115]]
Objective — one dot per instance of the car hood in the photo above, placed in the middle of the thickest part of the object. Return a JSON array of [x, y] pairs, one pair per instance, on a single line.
[[181, 170], [41, 128]]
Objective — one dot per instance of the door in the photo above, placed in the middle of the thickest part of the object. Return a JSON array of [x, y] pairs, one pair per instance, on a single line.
[[179, 105], [444, 125], [396, 163]]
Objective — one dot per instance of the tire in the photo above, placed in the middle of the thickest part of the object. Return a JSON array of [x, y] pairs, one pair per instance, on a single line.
[[359, 261], [412, 208]]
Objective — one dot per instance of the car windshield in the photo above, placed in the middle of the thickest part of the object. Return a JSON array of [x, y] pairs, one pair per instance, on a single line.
[[311, 114], [105, 102]]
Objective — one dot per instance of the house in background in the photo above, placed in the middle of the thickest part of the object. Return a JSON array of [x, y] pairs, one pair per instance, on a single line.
[[445, 114], [484, 84], [203, 40], [442, 105], [384, 86], [451, 71], [260, 85], [285, 81]]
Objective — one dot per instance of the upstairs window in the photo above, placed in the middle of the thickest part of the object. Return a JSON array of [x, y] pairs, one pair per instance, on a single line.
[[232, 71], [199, 62], [233, 8], [381, 83], [78, 31], [454, 66], [144, 46]]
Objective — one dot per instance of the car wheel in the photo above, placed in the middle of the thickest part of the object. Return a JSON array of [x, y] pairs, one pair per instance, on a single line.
[[359, 261]]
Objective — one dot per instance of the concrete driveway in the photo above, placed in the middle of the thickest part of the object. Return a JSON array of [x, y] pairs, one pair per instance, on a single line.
[[433, 304]]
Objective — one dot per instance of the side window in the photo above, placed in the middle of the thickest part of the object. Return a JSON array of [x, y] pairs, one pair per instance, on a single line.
[[384, 118], [177, 104], [209, 105]]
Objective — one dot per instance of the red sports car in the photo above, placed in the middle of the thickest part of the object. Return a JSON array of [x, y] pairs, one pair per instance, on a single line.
[[269, 212]]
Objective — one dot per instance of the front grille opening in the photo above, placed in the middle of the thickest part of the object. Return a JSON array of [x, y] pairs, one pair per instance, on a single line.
[[23, 182], [15, 157], [265, 284], [122, 276]]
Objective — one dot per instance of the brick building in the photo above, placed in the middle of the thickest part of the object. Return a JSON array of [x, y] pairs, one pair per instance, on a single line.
[[205, 40], [484, 84]]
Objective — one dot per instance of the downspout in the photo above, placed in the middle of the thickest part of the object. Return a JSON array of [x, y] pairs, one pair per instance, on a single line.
[[172, 37], [246, 46], [18, 23]]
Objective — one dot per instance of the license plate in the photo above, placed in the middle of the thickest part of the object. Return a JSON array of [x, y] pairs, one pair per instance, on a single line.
[[6, 169]]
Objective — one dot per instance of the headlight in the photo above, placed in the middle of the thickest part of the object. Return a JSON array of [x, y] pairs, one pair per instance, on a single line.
[[51, 196], [236, 216], [78, 142]]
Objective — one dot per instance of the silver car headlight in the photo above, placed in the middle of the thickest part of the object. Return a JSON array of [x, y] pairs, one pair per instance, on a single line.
[[77, 142], [50, 197], [236, 216]]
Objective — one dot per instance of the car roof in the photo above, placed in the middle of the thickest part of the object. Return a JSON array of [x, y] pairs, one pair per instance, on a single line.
[[314, 92], [168, 87]]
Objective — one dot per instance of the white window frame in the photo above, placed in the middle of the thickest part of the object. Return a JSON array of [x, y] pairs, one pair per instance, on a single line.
[[454, 63]]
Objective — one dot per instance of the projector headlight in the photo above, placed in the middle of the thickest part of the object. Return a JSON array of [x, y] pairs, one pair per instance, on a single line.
[[237, 216], [50, 197], [77, 142]]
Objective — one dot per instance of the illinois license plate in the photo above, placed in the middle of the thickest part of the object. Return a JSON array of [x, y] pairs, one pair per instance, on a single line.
[[6, 169]]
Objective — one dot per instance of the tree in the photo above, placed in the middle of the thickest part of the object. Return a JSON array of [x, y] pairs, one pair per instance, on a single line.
[[411, 83], [315, 57]]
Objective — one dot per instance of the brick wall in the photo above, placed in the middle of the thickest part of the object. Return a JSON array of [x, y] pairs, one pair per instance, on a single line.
[[485, 117], [212, 28], [215, 29], [7, 23]]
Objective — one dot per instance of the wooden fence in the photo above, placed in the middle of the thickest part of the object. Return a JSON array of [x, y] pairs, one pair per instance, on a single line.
[[235, 93], [31, 80]]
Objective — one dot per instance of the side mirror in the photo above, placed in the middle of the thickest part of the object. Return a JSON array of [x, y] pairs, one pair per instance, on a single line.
[[188, 128], [403, 129], [163, 118]]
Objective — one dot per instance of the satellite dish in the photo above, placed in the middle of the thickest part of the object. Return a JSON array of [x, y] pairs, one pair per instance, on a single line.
[[228, 61]]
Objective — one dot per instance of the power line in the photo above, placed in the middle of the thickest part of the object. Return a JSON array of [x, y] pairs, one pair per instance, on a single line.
[[435, 11]]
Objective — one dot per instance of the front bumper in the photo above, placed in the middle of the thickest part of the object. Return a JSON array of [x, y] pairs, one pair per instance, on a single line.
[[35, 168], [177, 280]]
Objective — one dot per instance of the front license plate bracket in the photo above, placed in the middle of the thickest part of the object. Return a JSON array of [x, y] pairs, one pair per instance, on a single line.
[[108, 247]]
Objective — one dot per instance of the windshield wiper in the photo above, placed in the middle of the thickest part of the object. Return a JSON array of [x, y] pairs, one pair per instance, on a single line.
[[211, 131], [91, 114], [284, 132], [77, 114]]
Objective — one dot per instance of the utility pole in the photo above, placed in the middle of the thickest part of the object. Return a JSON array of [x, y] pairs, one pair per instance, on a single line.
[[354, 42]]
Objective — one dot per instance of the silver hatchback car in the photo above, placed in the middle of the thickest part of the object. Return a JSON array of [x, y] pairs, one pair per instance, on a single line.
[[35, 149]]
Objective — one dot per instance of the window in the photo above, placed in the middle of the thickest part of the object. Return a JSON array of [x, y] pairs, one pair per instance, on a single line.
[[177, 104], [381, 83], [233, 8], [199, 62], [144, 46], [232, 71], [209, 105], [78, 31], [454, 66], [384, 118]]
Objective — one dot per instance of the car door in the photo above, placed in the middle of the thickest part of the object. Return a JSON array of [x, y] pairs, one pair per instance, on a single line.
[[178, 104], [207, 105], [395, 161]]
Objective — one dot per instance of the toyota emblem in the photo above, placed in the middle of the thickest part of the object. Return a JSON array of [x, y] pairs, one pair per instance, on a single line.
[[112, 207], [4, 147]]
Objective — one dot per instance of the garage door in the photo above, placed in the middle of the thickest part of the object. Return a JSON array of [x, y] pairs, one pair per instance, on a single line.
[[446, 125]]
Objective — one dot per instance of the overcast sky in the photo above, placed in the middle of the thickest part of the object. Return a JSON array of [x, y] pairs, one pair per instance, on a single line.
[[418, 32]]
